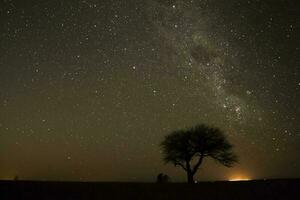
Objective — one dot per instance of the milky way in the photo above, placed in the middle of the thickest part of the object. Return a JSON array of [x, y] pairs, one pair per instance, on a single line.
[[90, 88]]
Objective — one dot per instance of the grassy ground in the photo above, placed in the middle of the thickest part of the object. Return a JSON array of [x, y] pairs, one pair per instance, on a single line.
[[244, 190]]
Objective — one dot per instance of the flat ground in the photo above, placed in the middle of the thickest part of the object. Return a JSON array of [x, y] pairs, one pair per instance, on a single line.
[[243, 190]]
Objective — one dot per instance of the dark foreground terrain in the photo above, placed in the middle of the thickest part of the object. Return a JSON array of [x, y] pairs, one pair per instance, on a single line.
[[243, 190]]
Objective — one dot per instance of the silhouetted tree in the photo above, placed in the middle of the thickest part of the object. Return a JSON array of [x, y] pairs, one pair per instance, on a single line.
[[187, 148], [162, 178]]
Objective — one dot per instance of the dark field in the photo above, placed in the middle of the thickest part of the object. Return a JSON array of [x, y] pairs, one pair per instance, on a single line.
[[265, 189]]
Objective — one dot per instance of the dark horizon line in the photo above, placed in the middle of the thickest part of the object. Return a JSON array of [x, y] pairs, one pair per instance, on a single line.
[[134, 182]]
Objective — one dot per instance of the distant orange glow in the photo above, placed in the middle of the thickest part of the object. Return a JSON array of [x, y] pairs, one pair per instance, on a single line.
[[239, 178]]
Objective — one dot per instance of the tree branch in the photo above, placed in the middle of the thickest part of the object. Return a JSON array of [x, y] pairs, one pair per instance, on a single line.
[[181, 165], [198, 163]]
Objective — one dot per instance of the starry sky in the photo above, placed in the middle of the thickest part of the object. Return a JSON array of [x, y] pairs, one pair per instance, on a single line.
[[89, 88]]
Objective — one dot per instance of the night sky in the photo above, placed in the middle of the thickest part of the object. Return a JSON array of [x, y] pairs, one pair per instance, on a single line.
[[89, 88]]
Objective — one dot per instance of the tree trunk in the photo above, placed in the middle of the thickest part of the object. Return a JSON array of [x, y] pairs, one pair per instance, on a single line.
[[190, 177]]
